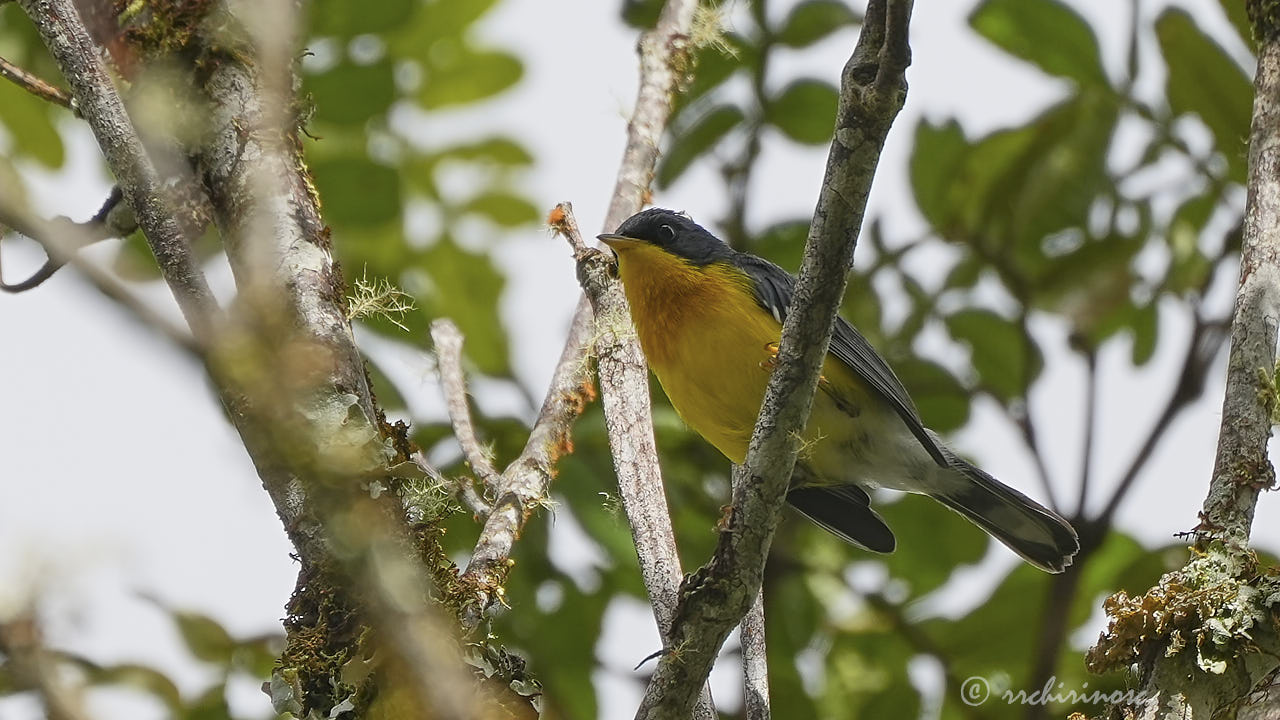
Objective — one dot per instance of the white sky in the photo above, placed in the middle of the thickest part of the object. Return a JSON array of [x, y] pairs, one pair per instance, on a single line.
[[118, 475]]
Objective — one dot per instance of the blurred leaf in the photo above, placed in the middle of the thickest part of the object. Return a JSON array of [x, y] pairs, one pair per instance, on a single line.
[[813, 20], [503, 208], [700, 137], [27, 118], [1239, 18], [783, 243], [349, 94], [804, 111], [1045, 32], [1005, 360], [357, 191], [937, 157], [389, 397], [943, 402], [465, 287], [448, 18], [925, 565], [1189, 267], [212, 705], [1088, 283], [966, 273], [1203, 79], [346, 19], [495, 150], [1146, 323], [204, 637], [141, 677], [467, 75]]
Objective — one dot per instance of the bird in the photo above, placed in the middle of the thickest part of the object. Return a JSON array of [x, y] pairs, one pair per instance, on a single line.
[[709, 320]]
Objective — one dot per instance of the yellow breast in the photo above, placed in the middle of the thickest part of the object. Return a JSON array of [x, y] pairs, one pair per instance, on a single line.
[[705, 338]]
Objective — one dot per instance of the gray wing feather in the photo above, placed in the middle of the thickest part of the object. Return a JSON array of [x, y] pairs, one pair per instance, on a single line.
[[774, 289]]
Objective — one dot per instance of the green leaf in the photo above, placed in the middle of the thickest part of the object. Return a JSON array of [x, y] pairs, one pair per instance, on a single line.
[[937, 158], [348, 19], [813, 20], [467, 75], [503, 208], [356, 191], [1239, 17], [494, 150], [942, 401], [713, 65], [1005, 360], [1044, 32], [204, 637], [1146, 323], [804, 111], [1204, 80], [27, 119], [922, 564], [700, 137], [349, 94], [465, 287]]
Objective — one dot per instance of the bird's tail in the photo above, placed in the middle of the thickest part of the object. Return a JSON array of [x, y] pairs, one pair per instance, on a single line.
[[1028, 528]]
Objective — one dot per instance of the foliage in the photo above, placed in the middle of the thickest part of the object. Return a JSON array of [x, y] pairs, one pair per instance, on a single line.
[[1038, 222]]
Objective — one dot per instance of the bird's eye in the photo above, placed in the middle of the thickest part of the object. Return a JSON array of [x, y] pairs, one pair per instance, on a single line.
[[666, 233]]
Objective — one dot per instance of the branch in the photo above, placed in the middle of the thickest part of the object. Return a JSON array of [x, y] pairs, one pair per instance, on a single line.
[[523, 485], [716, 598], [755, 662], [448, 342], [61, 238], [81, 63], [1242, 468], [114, 219], [36, 86]]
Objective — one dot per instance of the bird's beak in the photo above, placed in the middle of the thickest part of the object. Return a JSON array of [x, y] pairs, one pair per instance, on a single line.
[[618, 242]]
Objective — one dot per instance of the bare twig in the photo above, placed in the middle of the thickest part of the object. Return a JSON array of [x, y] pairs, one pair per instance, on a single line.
[[448, 342], [624, 390], [36, 86], [61, 239], [114, 219], [1206, 338], [1090, 417], [755, 663], [523, 486], [717, 597], [80, 60]]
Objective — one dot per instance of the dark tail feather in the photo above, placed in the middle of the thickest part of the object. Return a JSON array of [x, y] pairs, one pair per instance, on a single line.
[[1033, 531], [845, 511]]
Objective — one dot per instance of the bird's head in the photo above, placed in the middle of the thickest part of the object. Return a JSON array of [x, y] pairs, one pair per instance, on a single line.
[[669, 231]]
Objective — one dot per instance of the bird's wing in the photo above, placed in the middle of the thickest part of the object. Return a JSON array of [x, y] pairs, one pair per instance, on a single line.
[[774, 288]]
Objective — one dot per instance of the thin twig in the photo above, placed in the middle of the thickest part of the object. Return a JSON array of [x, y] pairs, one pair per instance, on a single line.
[[755, 662], [62, 239], [1090, 418], [34, 85], [465, 492], [1026, 420], [112, 220], [80, 60], [1206, 338], [523, 486], [718, 595], [624, 389], [448, 343]]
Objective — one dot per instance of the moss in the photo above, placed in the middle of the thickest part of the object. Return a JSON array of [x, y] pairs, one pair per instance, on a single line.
[[1208, 611], [1265, 17], [324, 635], [153, 28]]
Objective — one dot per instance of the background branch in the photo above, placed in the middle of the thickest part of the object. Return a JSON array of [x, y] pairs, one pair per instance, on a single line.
[[448, 343], [716, 598], [80, 60]]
